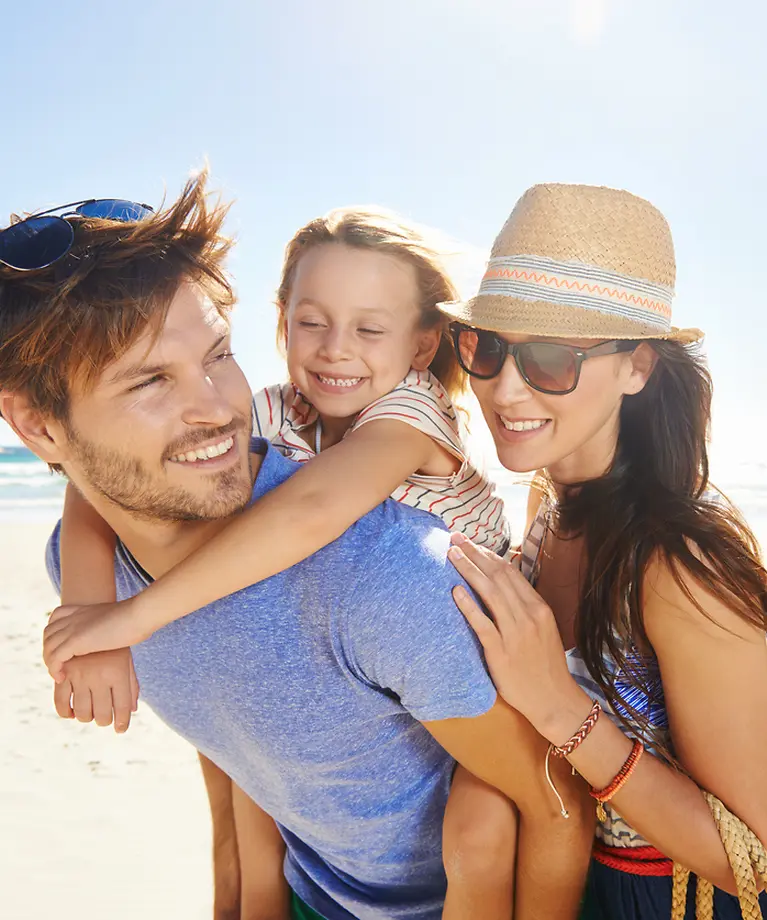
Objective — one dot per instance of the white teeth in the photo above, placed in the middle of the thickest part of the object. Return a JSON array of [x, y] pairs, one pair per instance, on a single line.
[[204, 453], [340, 381], [526, 425]]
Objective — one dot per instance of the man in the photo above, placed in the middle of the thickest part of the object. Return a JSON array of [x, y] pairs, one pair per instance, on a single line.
[[336, 694]]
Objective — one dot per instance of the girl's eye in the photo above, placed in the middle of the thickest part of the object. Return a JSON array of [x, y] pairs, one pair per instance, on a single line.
[[372, 331], [308, 324]]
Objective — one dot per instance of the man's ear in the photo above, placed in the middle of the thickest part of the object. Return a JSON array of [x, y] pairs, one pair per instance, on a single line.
[[41, 435], [428, 342], [643, 359]]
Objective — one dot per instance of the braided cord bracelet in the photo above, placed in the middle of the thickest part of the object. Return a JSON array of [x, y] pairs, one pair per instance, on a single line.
[[567, 749]]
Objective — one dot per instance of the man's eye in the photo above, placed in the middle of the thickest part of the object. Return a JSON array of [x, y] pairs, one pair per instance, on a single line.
[[224, 355], [146, 383]]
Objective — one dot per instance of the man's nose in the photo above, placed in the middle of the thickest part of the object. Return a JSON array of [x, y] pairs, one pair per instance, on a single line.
[[205, 404], [336, 344]]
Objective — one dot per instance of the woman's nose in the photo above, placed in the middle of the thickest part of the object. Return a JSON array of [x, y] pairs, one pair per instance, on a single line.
[[509, 386]]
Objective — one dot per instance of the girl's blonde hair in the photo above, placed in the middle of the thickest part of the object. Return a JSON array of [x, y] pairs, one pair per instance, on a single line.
[[382, 231]]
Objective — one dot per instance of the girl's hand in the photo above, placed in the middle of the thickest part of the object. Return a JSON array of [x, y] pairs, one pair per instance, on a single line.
[[81, 630], [99, 688], [522, 646]]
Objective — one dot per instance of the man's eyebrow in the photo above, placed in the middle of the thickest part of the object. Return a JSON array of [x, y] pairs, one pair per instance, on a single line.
[[136, 371]]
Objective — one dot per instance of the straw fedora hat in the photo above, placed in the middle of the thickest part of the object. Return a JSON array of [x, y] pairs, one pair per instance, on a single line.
[[578, 261]]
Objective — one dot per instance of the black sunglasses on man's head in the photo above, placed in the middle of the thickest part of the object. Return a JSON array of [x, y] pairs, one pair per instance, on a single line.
[[42, 239], [548, 367]]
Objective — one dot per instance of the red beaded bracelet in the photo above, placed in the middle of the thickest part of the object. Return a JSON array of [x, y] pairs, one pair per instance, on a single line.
[[604, 795]]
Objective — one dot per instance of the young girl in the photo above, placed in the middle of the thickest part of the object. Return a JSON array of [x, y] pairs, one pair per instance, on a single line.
[[373, 376], [651, 581]]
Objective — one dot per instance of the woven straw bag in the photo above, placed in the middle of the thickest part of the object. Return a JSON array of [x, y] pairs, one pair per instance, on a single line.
[[747, 857]]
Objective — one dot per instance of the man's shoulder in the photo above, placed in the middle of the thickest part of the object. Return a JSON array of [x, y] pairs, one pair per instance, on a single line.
[[403, 532]]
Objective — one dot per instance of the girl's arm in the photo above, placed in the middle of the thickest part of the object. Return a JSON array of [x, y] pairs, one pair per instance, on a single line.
[[305, 513], [98, 687], [715, 679], [87, 553], [302, 515]]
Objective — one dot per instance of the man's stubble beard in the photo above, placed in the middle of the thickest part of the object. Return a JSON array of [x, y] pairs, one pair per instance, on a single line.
[[127, 482]]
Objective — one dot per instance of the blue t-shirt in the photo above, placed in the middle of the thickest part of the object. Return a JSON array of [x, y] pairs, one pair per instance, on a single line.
[[308, 689]]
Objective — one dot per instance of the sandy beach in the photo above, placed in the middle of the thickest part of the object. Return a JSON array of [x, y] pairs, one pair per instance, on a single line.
[[95, 825], [92, 825]]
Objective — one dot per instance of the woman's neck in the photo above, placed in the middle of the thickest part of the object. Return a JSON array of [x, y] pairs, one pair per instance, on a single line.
[[590, 461]]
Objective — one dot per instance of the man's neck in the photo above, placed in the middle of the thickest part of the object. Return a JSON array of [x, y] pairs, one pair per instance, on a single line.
[[159, 545]]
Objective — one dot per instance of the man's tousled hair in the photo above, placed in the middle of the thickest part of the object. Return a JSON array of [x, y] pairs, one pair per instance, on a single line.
[[63, 325]]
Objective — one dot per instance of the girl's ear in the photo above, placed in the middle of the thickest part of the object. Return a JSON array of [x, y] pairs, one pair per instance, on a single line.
[[427, 343], [42, 436], [643, 360]]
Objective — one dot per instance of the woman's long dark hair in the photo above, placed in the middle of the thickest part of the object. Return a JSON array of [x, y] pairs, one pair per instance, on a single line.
[[655, 502]]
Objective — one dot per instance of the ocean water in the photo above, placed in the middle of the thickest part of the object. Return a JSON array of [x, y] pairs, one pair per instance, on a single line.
[[28, 491]]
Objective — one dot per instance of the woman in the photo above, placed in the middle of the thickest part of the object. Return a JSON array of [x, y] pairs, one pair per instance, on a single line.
[[648, 578]]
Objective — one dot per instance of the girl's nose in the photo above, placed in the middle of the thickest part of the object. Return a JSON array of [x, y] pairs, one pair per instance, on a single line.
[[336, 345]]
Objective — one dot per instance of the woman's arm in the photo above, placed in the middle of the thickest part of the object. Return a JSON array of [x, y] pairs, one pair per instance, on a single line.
[[87, 553], [305, 513], [715, 687], [714, 670]]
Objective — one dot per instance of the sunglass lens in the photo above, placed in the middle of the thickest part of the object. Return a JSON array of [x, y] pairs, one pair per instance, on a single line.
[[35, 243], [481, 353], [550, 368], [114, 209]]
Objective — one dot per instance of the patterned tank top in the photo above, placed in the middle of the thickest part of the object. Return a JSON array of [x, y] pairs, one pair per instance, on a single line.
[[614, 831]]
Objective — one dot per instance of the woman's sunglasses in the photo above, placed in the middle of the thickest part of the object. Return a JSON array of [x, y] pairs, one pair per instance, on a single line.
[[545, 366], [43, 239]]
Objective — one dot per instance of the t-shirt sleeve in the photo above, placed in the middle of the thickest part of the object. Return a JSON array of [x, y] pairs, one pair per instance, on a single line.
[[53, 557], [270, 408], [421, 401], [404, 634]]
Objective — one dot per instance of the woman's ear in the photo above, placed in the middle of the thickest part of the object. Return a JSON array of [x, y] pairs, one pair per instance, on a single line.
[[42, 436], [643, 360], [427, 342]]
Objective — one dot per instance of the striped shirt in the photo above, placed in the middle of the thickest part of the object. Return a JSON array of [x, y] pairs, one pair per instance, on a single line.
[[465, 501]]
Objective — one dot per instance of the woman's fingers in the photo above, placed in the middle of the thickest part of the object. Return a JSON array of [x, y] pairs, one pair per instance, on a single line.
[[486, 586], [488, 575], [476, 617]]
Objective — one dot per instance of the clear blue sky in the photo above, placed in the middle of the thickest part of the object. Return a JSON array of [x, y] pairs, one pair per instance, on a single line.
[[443, 109]]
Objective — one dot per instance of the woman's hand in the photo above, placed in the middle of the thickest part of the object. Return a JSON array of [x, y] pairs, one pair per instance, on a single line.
[[81, 630], [522, 646]]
